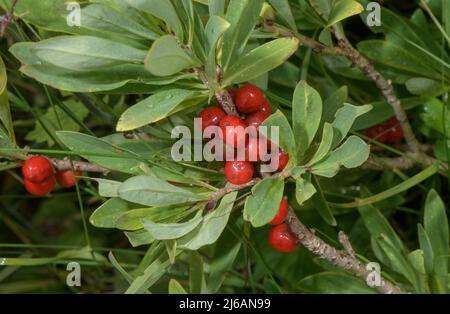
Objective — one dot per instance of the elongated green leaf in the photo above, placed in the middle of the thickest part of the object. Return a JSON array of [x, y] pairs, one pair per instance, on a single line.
[[427, 248], [333, 103], [101, 152], [321, 204], [212, 226], [306, 115], [119, 267], [175, 287], [166, 57], [345, 117], [163, 10], [108, 213], [334, 282], [260, 60], [286, 138], [325, 144], [151, 191], [215, 28], [216, 7], [353, 153], [161, 231], [139, 237], [5, 112], [80, 53], [436, 227], [150, 276], [284, 10], [107, 188], [196, 275], [242, 16], [262, 206], [421, 176], [156, 107], [343, 9], [304, 190]]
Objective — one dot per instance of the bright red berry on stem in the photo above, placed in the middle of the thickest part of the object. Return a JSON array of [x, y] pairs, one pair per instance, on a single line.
[[37, 169], [249, 98], [233, 128], [283, 159], [266, 107], [211, 116], [377, 132], [282, 239], [42, 188], [281, 214], [256, 118], [395, 134], [239, 172], [66, 179]]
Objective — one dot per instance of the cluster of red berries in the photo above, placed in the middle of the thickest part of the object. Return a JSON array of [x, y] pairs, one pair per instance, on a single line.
[[389, 132], [281, 238], [40, 178], [250, 101]]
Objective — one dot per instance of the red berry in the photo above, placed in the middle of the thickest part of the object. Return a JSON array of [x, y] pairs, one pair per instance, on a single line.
[[378, 133], [249, 98], [283, 159], [256, 118], [66, 178], [266, 107], [281, 214], [211, 116], [239, 172], [233, 128], [232, 93], [37, 169], [395, 134], [282, 239], [256, 149], [40, 189]]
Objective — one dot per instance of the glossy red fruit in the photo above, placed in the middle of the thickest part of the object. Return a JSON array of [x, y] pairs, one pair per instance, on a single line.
[[37, 169], [211, 116], [66, 178], [283, 159], [266, 107], [256, 118], [281, 214], [257, 148], [282, 239], [233, 128], [395, 134], [40, 189], [239, 172], [378, 133], [249, 98]]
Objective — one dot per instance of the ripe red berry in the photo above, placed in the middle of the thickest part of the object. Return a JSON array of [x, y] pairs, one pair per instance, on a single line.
[[37, 169], [211, 116], [232, 93], [233, 128], [283, 159], [42, 188], [281, 214], [282, 239], [66, 178], [239, 172], [257, 149], [256, 118], [378, 133], [395, 134], [249, 98], [266, 107]]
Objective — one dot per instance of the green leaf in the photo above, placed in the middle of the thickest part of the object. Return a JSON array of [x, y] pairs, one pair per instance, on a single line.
[[436, 227], [260, 60], [242, 16], [321, 204], [304, 190], [427, 248], [284, 10], [343, 9], [423, 86], [107, 188], [334, 282], [161, 231], [345, 117], [5, 112], [151, 191], [286, 136], [322, 7], [163, 10], [139, 237], [333, 103], [101, 152], [262, 206], [325, 144], [353, 153], [196, 275], [81, 53], [212, 226], [108, 213], [150, 276], [306, 115], [120, 269], [215, 28], [166, 57], [157, 107], [216, 7], [52, 119], [175, 287]]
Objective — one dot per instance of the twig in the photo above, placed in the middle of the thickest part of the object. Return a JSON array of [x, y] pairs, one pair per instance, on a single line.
[[64, 164], [6, 19], [339, 258]]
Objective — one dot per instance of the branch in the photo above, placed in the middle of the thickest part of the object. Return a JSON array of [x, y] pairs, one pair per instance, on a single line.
[[64, 164], [342, 259]]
